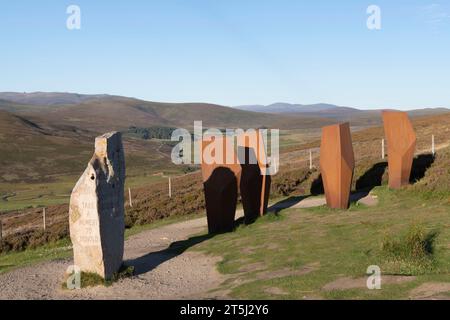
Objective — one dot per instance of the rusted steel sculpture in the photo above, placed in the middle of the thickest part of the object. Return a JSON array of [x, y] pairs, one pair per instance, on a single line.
[[337, 163], [221, 175], [401, 140], [255, 182]]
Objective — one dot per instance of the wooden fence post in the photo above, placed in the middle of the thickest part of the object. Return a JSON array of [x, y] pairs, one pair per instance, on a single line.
[[433, 147], [129, 196], [276, 164], [170, 187], [44, 219]]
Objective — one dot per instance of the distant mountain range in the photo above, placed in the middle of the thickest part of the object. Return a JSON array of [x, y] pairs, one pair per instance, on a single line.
[[331, 111], [281, 107], [324, 108]]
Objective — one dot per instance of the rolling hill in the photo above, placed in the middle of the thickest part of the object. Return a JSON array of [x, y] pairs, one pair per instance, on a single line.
[[47, 142], [105, 113], [45, 147], [50, 98], [34, 153], [31, 153], [99, 113]]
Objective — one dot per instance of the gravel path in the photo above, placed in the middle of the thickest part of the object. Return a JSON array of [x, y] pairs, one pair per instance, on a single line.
[[160, 273]]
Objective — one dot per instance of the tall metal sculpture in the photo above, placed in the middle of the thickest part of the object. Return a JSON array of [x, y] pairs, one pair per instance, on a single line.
[[221, 175], [337, 164], [401, 140], [255, 181]]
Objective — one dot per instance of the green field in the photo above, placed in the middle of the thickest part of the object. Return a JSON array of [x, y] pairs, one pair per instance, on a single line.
[[33, 195]]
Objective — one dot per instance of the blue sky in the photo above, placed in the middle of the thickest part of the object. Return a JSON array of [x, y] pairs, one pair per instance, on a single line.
[[232, 52]]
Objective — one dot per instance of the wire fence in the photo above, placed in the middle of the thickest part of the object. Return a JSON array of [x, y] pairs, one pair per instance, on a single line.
[[20, 221]]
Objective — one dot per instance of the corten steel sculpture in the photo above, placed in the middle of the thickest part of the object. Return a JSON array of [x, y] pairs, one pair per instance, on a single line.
[[401, 140], [255, 181], [220, 181], [337, 163]]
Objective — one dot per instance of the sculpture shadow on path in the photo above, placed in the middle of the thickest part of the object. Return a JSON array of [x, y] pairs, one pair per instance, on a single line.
[[152, 260], [286, 204]]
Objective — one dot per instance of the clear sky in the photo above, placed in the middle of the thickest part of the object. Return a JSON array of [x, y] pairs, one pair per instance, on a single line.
[[232, 52]]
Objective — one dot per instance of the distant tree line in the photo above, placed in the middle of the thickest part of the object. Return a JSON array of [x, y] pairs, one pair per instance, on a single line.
[[162, 133]]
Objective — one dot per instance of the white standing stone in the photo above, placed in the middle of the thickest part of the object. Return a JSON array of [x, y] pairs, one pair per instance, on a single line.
[[96, 214]]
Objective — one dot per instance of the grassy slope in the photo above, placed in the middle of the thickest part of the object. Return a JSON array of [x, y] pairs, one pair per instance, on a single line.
[[39, 165], [338, 243], [121, 113], [44, 149]]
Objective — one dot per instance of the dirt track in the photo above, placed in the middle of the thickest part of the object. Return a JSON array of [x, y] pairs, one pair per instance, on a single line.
[[160, 273]]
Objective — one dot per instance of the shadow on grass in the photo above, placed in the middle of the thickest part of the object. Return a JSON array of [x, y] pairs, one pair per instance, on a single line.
[[420, 166], [372, 178], [317, 188], [411, 254]]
